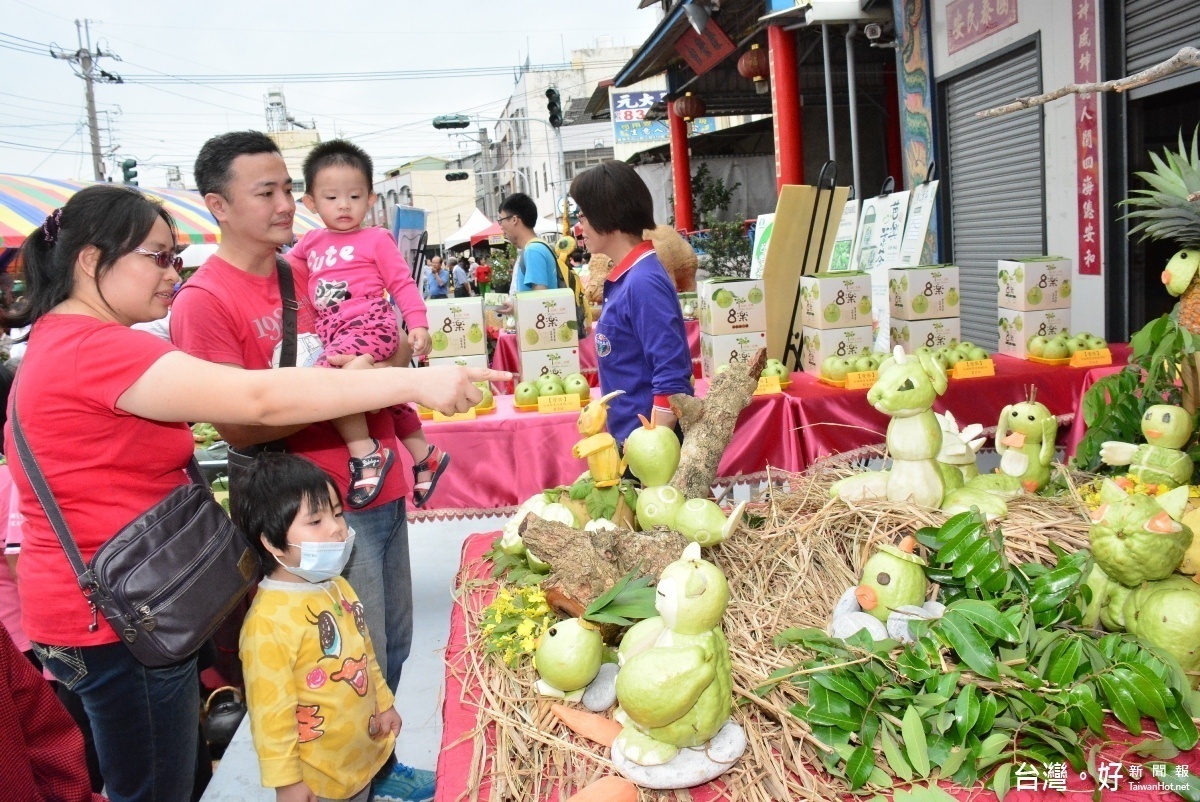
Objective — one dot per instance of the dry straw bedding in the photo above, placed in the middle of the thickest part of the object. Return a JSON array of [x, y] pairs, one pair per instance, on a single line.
[[788, 573]]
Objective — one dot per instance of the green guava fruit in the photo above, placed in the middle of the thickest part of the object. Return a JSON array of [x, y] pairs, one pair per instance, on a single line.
[[686, 670], [1138, 538], [951, 297], [832, 313], [577, 384], [1036, 346], [1034, 296], [723, 298], [1167, 614], [550, 385], [652, 453], [1112, 608], [564, 333], [920, 304], [658, 506], [755, 295], [526, 394], [1064, 289], [1019, 323], [891, 578], [701, 521], [440, 341], [1019, 275], [864, 305], [486, 400], [568, 654], [1181, 270], [1055, 349], [475, 334]]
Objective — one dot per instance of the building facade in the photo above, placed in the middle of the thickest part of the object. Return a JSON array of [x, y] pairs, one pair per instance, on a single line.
[[422, 184]]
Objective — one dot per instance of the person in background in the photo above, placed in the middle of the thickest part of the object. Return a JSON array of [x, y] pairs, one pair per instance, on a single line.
[[321, 714], [427, 272], [439, 280], [462, 280], [640, 339], [536, 267], [483, 278]]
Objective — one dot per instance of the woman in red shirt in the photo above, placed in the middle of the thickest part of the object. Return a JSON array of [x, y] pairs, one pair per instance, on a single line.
[[103, 408]]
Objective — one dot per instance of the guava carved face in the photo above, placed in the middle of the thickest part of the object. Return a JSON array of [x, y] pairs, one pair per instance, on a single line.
[[907, 384], [1181, 270], [1137, 538], [1167, 426], [692, 593], [892, 578], [1027, 418]]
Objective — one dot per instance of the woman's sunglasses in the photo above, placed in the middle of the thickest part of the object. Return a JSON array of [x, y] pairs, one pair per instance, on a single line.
[[163, 259]]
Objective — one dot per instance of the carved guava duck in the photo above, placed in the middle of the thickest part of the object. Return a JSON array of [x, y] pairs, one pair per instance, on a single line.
[[1138, 538], [890, 594], [1160, 460], [675, 687], [1025, 441], [905, 391]]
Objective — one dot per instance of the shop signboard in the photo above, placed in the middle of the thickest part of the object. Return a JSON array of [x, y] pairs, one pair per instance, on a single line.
[[971, 21], [703, 51], [628, 112], [920, 212]]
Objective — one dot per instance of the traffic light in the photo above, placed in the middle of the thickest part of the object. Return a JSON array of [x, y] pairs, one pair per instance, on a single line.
[[129, 170], [457, 176], [451, 121], [554, 106]]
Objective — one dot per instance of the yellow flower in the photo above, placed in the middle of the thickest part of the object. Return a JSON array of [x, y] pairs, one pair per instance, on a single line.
[[527, 644], [525, 628]]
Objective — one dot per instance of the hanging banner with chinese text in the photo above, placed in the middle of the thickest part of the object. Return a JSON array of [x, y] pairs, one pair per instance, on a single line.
[[703, 51], [971, 21], [1087, 133]]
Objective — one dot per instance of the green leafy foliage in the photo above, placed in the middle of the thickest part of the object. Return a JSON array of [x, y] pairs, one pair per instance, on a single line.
[[628, 601], [514, 568], [1114, 405], [1006, 675]]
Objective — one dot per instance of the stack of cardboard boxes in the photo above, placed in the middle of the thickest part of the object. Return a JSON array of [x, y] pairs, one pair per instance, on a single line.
[[835, 312], [924, 306], [733, 321], [547, 333], [458, 333], [1034, 297]]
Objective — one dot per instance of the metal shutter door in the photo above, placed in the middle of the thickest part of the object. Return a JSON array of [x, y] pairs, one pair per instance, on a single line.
[[997, 183], [1156, 29]]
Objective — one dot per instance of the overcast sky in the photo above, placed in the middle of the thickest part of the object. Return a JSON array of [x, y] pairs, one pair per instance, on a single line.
[[42, 115]]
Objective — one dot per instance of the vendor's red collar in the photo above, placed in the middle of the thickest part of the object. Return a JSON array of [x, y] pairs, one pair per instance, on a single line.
[[632, 258]]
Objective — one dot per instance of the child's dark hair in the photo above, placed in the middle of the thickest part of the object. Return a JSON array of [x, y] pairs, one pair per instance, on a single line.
[[271, 492], [334, 152], [111, 218]]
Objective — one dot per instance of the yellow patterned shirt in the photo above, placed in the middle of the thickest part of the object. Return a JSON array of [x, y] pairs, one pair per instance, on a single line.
[[313, 688]]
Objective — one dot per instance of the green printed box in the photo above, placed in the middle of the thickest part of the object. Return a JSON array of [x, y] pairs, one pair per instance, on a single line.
[[835, 300]]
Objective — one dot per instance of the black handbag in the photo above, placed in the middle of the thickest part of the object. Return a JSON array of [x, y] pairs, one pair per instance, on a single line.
[[167, 580], [240, 460]]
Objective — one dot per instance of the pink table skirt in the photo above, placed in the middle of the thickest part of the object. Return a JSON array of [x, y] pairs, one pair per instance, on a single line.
[[508, 357]]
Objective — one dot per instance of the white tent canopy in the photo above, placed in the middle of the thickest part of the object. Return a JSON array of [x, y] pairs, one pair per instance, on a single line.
[[476, 223], [548, 225]]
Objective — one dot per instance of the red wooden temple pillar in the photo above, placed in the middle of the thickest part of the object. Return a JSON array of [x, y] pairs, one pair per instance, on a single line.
[[785, 105], [681, 170], [895, 153]]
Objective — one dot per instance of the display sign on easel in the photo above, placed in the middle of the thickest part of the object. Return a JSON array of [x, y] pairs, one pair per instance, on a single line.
[[843, 245], [877, 249], [920, 212], [762, 239], [806, 219]]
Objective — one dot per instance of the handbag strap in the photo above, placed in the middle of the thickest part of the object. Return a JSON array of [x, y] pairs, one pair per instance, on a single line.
[[287, 297], [33, 472]]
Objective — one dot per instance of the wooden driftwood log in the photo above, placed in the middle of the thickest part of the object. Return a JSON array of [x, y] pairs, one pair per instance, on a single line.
[[586, 564], [708, 424]]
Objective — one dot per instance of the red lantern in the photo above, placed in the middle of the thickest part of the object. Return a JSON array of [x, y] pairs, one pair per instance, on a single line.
[[689, 107], [756, 65]]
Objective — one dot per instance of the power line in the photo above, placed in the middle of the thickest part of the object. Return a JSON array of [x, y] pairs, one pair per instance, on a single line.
[[85, 59], [353, 77]]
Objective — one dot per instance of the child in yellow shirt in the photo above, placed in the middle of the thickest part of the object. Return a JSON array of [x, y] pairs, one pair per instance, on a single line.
[[320, 711]]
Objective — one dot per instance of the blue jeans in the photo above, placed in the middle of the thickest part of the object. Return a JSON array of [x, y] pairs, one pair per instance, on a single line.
[[380, 573], [145, 720]]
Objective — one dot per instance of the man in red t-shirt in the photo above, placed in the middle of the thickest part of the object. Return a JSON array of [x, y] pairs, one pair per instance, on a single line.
[[230, 312]]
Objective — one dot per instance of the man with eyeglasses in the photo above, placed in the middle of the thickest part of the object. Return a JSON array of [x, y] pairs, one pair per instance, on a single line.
[[536, 267]]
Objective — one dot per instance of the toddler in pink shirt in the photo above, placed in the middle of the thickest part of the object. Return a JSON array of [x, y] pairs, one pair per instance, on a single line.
[[349, 270]]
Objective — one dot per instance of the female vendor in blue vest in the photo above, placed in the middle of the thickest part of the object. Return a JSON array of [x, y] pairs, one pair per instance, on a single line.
[[640, 339]]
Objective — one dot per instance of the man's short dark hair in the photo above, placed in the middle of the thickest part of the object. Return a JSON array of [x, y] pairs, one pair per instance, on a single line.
[[614, 197], [217, 154], [337, 152], [522, 206]]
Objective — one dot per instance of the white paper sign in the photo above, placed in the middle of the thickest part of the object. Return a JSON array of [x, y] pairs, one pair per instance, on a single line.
[[843, 245], [920, 212], [762, 239], [877, 248]]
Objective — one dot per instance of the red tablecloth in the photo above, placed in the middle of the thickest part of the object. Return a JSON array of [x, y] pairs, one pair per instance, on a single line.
[[460, 727], [507, 357]]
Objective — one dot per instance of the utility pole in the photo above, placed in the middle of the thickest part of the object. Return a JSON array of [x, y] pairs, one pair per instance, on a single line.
[[484, 153], [85, 58]]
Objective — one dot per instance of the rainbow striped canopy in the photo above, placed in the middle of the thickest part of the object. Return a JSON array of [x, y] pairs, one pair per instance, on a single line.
[[25, 202]]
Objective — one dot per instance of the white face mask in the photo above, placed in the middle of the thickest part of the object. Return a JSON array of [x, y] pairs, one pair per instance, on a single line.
[[320, 562]]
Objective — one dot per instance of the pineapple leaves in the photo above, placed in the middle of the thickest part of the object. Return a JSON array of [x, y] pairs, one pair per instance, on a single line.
[[1164, 211]]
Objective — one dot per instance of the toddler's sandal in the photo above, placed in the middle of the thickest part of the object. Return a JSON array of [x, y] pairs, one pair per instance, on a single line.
[[364, 489], [436, 462]]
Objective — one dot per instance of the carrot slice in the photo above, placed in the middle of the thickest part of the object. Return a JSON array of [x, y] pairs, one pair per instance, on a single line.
[[607, 789], [592, 726]]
